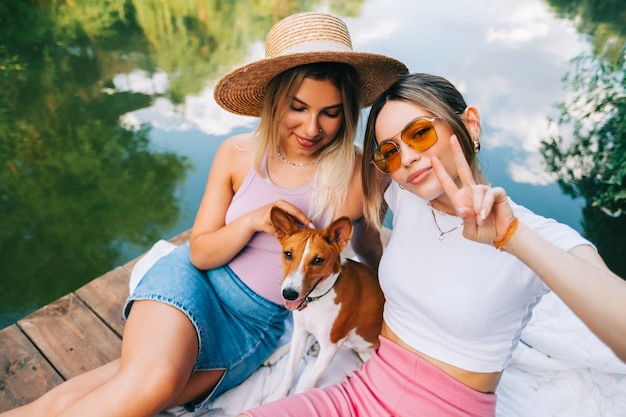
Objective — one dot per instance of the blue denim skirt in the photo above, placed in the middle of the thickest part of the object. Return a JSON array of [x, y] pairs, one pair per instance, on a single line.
[[237, 329]]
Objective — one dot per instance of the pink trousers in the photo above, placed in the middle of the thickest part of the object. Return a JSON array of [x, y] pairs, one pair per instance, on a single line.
[[394, 382]]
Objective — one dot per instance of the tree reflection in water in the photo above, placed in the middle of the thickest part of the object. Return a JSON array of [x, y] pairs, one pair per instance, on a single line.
[[74, 183], [589, 160]]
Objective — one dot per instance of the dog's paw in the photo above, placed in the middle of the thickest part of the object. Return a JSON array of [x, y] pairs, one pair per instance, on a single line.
[[271, 361], [277, 355]]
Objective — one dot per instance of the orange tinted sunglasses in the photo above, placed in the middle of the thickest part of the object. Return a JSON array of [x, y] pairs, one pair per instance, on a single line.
[[419, 134]]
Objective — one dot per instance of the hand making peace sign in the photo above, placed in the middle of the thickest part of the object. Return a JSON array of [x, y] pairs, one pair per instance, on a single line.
[[485, 210]]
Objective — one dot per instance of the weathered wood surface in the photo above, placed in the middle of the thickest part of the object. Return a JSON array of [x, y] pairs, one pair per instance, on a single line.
[[72, 335]]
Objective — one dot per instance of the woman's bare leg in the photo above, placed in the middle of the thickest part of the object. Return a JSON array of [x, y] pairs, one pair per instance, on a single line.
[[159, 350]]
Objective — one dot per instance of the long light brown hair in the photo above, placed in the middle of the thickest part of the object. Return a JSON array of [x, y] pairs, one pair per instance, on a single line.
[[335, 162], [434, 94]]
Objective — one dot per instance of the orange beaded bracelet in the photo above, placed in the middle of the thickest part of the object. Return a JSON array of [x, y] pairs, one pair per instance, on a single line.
[[507, 235]]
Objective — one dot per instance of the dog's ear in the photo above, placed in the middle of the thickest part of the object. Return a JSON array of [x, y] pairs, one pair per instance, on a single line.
[[283, 223], [339, 232]]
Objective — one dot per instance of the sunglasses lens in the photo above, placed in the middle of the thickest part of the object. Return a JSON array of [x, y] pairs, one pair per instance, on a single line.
[[387, 157], [420, 135]]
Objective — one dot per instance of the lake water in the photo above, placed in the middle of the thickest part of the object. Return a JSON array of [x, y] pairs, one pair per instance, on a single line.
[[85, 188]]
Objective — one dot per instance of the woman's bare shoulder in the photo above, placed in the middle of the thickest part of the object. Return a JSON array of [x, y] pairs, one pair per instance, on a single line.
[[236, 155], [238, 148], [242, 142]]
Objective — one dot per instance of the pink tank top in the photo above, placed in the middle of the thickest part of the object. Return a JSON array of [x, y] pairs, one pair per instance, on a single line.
[[259, 264]]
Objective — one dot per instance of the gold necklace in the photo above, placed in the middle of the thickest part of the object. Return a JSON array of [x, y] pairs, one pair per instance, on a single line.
[[301, 164], [441, 233]]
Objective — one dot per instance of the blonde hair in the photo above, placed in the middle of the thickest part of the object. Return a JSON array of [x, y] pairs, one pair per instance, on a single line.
[[335, 163], [436, 95]]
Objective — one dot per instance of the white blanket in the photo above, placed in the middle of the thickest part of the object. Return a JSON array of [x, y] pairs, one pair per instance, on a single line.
[[559, 369]]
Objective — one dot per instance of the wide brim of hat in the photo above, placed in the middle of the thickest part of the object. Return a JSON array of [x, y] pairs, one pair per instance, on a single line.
[[241, 90]]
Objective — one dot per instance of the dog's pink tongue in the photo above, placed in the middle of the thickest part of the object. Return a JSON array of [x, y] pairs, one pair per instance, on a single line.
[[292, 305]]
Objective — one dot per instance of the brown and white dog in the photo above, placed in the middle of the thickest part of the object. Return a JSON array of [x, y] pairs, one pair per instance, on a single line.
[[337, 301]]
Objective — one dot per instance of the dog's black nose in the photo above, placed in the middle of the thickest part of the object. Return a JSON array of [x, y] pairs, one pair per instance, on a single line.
[[290, 294]]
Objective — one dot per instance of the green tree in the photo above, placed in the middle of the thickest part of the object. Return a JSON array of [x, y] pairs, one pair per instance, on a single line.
[[592, 161], [588, 156], [604, 21]]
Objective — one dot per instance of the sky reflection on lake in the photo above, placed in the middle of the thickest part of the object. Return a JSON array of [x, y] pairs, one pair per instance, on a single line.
[[507, 57]]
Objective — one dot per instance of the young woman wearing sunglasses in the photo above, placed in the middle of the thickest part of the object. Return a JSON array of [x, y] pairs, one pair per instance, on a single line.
[[462, 271]]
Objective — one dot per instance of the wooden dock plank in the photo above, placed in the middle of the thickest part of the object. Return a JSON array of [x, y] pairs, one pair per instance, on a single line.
[[25, 373], [71, 336], [106, 296], [181, 237]]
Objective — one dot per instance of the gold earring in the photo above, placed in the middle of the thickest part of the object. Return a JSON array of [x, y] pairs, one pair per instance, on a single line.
[[476, 146]]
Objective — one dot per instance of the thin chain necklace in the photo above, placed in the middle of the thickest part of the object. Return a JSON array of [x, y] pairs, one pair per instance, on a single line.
[[441, 233], [301, 164]]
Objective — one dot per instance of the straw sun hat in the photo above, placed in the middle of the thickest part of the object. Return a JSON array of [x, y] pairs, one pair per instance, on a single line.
[[304, 38]]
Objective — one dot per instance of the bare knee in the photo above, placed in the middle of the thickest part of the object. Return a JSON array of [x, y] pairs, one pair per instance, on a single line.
[[53, 402], [200, 385], [161, 383]]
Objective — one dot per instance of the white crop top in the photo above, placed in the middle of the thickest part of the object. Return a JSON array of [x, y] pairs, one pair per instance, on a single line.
[[461, 302]]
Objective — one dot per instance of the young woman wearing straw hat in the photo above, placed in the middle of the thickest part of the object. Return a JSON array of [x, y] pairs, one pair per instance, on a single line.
[[207, 315]]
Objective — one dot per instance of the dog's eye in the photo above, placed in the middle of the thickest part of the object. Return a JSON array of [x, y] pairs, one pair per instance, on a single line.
[[318, 261], [288, 255]]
